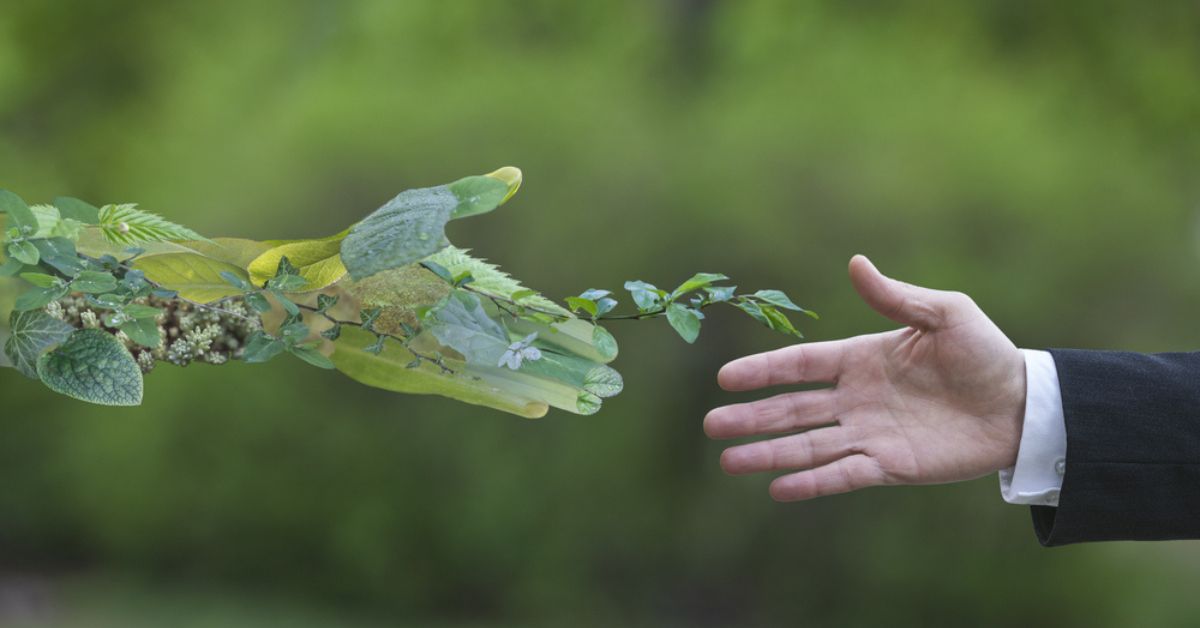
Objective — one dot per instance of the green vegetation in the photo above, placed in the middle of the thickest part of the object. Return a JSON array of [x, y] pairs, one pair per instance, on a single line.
[[457, 326]]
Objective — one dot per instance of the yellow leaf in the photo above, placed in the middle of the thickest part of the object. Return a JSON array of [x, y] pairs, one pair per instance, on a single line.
[[194, 276], [319, 261]]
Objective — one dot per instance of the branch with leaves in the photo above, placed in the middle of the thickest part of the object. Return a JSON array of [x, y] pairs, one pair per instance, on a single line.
[[111, 292]]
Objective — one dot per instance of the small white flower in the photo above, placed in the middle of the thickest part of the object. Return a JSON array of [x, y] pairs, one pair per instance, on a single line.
[[519, 352]]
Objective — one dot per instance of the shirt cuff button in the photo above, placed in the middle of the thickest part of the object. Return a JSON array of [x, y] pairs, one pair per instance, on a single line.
[[1060, 467]]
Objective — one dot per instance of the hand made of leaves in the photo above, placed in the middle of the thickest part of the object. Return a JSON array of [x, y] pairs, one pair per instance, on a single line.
[[388, 301]]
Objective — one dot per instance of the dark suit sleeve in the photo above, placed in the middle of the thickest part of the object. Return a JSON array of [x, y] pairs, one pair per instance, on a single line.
[[1133, 448]]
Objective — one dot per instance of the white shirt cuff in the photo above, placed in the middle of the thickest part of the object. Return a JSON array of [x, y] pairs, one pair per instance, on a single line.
[[1042, 458]]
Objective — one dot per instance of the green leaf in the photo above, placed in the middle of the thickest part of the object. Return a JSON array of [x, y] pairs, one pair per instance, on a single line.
[[258, 301], [194, 276], [605, 305], [94, 282], [37, 298], [33, 333], [24, 252], [411, 226], [310, 354], [778, 321], [461, 323], [127, 225], [67, 228], [778, 299], [523, 293], [333, 333], [76, 209], [581, 303], [698, 281], [318, 263], [288, 305], [293, 333], [42, 280], [10, 267], [325, 301], [753, 309], [143, 331], [136, 310], [646, 296], [60, 253], [287, 283], [720, 294], [442, 272], [93, 366], [18, 212], [684, 320], [47, 218], [235, 280], [260, 347]]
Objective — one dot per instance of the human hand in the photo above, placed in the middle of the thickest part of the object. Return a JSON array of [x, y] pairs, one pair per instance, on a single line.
[[941, 400]]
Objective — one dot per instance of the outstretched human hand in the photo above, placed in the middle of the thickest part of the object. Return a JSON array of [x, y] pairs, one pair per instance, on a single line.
[[941, 400]]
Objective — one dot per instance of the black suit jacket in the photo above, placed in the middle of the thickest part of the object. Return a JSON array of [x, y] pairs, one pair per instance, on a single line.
[[1133, 448]]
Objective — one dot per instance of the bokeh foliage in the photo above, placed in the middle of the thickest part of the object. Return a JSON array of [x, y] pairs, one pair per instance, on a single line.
[[1040, 156]]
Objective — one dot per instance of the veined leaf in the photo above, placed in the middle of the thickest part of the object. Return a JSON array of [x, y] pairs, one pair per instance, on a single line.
[[93, 366], [411, 226], [126, 224], [389, 370], [194, 276], [32, 334], [318, 261]]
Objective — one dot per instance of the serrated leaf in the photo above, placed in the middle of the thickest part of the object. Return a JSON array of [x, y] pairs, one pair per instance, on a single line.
[[318, 262], [491, 281], [194, 276], [258, 302], [32, 334], [143, 331], [126, 225], [92, 366], [684, 321], [76, 209], [411, 226]]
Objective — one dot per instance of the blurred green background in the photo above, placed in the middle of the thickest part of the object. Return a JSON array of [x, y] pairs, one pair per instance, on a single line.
[[1039, 156]]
